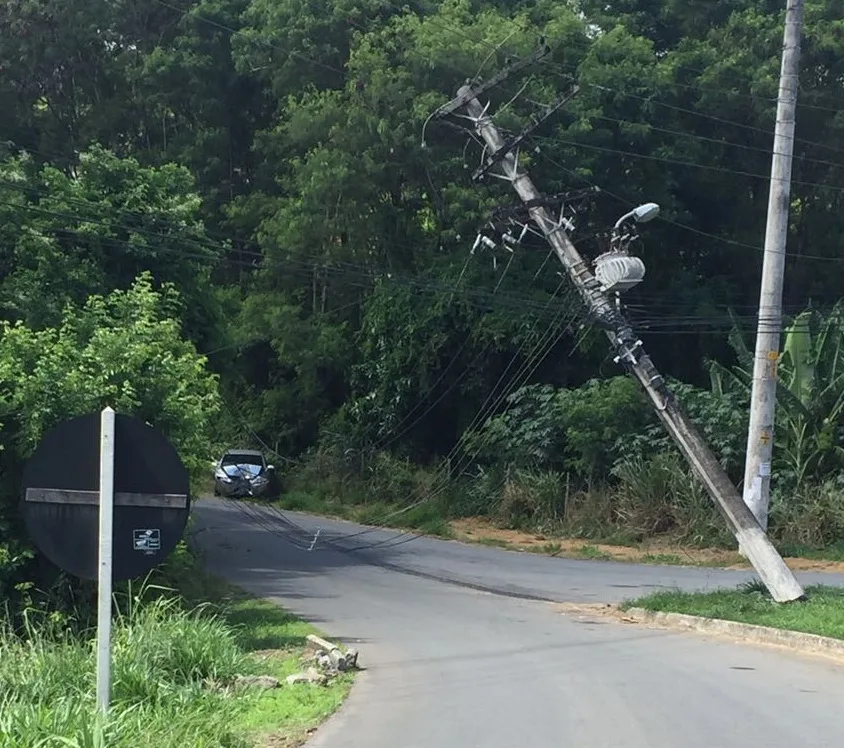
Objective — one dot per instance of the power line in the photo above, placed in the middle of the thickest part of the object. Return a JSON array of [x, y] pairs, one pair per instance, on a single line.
[[310, 262], [201, 244], [575, 70], [677, 162], [667, 61], [734, 242], [399, 539], [716, 141], [343, 269], [441, 481], [685, 227], [204, 245], [254, 434], [409, 421], [17, 205], [560, 71], [765, 99], [190, 12], [685, 110], [526, 371], [538, 353]]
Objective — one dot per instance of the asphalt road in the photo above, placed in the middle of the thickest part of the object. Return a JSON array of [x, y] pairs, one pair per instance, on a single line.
[[462, 650]]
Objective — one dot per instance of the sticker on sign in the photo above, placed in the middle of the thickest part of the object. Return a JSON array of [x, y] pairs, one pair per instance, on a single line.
[[148, 541]]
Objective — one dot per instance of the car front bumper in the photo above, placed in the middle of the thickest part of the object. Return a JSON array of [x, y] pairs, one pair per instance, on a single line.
[[238, 489]]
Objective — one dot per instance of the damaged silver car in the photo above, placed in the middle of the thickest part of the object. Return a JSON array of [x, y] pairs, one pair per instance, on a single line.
[[243, 472]]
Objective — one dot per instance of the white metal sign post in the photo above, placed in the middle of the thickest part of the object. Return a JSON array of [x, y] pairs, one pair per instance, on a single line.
[[105, 558]]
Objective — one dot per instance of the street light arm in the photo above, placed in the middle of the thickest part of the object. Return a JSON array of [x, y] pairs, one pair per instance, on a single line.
[[624, 218], [641, 214]]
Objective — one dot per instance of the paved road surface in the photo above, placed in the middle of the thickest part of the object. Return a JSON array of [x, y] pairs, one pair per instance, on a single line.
[[461, 652]]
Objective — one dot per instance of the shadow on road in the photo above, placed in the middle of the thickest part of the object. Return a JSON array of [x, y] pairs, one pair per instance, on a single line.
[[290, 546]]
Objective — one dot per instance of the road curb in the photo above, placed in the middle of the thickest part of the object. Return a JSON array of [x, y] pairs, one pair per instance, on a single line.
[[746, 632]]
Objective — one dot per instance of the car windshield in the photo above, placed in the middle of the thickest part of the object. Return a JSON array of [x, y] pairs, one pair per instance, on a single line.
[[239, 458]]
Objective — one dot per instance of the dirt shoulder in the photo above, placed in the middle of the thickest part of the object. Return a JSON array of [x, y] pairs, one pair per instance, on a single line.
[[481, 531]]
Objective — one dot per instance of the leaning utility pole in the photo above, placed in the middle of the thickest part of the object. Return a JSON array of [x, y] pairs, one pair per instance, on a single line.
[[763, 396], [768, 563]]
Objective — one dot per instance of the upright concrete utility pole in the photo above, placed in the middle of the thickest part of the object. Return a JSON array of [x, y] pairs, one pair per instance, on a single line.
[[768, 563], [763, 396]]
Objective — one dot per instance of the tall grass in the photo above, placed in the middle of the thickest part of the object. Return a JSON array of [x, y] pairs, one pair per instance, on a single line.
[[658, 496], [163, 659], [812, 517], [644, 498]]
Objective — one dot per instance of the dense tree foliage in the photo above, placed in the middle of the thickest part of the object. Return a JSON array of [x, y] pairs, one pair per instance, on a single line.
[[125, 350], [273, 162]]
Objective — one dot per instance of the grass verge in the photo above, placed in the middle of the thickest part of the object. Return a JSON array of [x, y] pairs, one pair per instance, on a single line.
[[822, 613], [276, 641], [174, 660]]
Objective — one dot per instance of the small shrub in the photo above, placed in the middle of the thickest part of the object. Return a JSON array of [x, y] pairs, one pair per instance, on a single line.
[[533, 498], [477, 496], [528, 431], [432, 522], [658, 495], [643, 497], [67, 722], [301, 501], [577, 430], [590, 514], [812, 517], [397, 481], [328, 473], [332, 476]]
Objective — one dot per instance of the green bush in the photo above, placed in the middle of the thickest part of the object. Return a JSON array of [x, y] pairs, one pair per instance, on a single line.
[[809, 424], [14, 558], [588, 430], [720, 416], [202, 721], [589, 462], [575, 430], [541, 500], [341, 477], [597, 418], [160, 645], [127, 350], [527, 433]]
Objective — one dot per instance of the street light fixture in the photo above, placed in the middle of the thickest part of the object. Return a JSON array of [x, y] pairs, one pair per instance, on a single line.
[[641, 214]]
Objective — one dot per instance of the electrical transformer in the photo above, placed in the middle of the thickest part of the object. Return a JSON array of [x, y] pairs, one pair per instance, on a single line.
[[618, 271]]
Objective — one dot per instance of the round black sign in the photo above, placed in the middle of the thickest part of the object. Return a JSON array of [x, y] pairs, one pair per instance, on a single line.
[[60, 497]]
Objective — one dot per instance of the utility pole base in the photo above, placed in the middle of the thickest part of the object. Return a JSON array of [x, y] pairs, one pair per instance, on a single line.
[[776, 576]]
